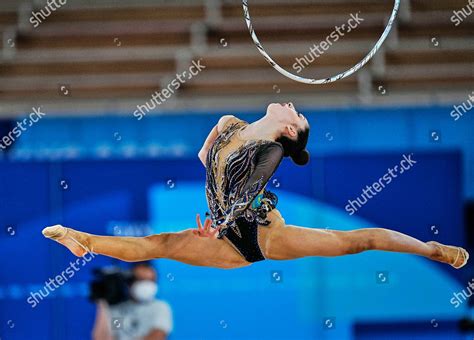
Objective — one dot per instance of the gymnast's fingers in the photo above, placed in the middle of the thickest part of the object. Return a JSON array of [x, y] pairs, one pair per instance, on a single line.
[[207, 224], [198, 222]]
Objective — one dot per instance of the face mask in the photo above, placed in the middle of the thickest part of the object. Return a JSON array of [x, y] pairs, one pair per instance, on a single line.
[[144, 290]]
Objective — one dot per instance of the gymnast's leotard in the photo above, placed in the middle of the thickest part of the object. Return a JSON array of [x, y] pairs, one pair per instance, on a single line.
[[237, 173]]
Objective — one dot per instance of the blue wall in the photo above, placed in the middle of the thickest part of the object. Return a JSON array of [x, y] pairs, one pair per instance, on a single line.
[[182, 134]]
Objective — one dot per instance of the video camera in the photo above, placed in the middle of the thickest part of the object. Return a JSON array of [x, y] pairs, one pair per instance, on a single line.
[[110, 284]]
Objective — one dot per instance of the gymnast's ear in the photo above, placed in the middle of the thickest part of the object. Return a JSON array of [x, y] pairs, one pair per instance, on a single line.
[[290, 131]]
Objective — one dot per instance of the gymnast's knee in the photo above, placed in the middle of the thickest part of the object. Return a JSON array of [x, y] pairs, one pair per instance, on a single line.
[[358, 241], [146, 248], [168, 244]]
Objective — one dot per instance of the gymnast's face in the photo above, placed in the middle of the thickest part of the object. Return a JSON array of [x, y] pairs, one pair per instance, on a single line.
[[287, 118]]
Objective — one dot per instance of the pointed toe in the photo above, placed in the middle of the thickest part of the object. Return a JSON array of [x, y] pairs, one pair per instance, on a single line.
[[54, 232]]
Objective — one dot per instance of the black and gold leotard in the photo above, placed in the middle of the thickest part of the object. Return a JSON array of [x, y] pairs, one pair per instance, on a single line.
[[237, 173]]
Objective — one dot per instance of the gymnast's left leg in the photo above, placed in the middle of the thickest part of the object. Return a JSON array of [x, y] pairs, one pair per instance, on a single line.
[[182, 246], [289, 242]]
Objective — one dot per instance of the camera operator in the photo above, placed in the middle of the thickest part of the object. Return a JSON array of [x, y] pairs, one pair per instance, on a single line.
[[141, 316]]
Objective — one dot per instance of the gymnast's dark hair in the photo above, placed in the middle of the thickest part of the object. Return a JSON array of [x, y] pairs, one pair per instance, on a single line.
[[296, 149]]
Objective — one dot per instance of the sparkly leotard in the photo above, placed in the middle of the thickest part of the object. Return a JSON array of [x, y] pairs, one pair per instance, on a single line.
[[237, 173]]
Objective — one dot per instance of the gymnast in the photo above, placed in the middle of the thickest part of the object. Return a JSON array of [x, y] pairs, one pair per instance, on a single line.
[[244, 226]]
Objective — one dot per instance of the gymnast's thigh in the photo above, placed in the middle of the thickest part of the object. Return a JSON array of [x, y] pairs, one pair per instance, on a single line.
[[189, 248], [280, 241]]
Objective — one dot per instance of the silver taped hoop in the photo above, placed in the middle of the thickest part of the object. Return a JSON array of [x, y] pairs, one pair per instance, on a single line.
[[342, 75]]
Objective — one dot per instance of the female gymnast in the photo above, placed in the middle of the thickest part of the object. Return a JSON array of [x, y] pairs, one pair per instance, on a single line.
[[244, 224]]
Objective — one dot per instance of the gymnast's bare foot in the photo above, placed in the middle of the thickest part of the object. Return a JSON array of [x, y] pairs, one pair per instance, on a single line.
[[455, 256], [75, 241]]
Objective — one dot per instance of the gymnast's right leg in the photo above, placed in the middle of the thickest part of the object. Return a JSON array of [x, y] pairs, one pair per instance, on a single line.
[[283, 242], [182, 246]]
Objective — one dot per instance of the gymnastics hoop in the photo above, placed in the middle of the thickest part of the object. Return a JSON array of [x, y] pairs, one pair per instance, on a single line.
[[342, 75]]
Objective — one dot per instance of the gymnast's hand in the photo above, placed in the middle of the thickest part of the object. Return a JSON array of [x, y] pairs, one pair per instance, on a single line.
[[206, 231]]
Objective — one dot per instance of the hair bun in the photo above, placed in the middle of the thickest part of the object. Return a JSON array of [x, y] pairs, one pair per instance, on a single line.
[[301, 158]]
